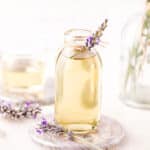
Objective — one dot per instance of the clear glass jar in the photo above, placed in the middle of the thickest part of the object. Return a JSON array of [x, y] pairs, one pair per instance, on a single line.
[[78, 84], [23, 76], [135, 61]]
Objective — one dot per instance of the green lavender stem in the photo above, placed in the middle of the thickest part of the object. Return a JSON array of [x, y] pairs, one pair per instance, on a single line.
[[139, 50]]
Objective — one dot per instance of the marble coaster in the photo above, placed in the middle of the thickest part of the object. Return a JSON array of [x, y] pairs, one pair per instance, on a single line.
[[109, 133]]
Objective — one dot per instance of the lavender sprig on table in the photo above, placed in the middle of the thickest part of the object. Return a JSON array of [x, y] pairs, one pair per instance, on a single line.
[[19, 111], [94, 39], [44, 127]]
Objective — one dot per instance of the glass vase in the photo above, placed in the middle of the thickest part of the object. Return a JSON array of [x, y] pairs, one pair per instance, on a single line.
[[135, 60]]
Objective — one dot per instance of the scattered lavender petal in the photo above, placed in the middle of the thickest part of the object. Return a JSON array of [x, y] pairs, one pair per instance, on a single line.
[[39, 131], [44, 122], [27, 103]]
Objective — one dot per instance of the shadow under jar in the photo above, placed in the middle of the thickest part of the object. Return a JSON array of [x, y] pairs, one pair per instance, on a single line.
[[78, 84]]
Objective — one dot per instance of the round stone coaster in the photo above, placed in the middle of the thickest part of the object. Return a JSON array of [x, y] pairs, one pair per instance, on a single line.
[[109, 133]]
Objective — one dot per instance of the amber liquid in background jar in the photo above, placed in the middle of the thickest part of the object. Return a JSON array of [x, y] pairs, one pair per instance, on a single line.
[[22, 77], [78, 86]]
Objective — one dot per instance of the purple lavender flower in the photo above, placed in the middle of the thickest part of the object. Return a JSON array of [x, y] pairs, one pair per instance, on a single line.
[[27, 103], [44, 122], [90, 41], [39, 131]]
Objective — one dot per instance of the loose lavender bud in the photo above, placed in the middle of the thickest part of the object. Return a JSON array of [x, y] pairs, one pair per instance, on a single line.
[[27, 104], [44, 122], [39, 131]]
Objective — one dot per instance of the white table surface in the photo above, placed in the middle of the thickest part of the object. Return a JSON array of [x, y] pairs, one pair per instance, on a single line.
[[135, 122], [40, 24]]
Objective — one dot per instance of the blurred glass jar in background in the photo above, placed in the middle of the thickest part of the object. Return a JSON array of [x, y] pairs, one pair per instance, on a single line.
[[24, 76], [135, 60]]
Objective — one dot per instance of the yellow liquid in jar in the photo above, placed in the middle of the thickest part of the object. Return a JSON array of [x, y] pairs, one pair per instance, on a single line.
[[78, 96]]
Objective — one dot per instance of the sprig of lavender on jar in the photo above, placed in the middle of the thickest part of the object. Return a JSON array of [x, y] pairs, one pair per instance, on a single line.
[[94, 39]]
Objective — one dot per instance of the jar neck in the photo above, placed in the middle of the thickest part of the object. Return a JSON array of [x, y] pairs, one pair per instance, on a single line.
[[75, 43], [76, 38]]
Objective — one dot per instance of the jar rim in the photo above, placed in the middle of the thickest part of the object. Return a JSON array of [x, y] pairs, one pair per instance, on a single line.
[[77, 34]]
